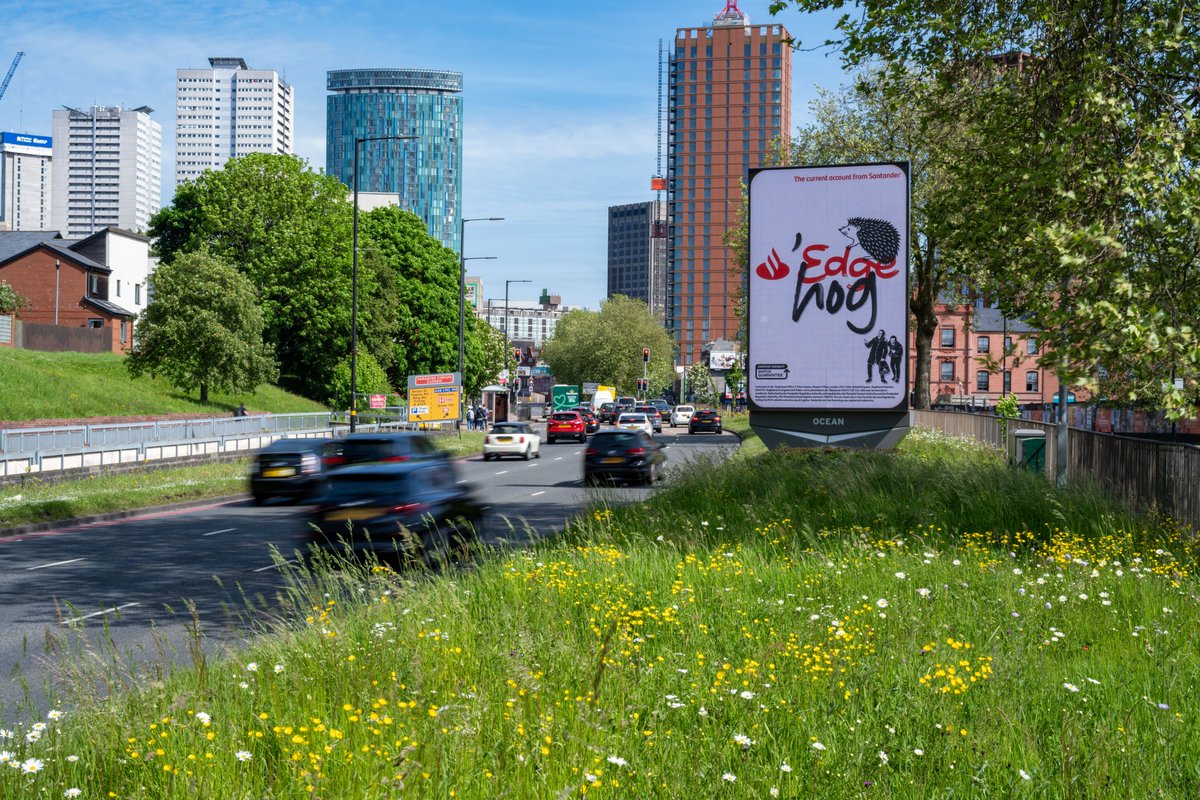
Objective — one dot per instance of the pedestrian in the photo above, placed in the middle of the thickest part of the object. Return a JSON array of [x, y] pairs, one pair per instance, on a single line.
[[240, 411], [470, 418], [482, 415]]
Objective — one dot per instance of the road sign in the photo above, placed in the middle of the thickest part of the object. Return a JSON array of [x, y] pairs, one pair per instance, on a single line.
[[378, 401], [590, 389], [564, 397], [435, 398]]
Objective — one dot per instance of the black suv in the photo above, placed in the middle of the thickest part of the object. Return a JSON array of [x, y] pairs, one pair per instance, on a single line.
[[621, 455], [608, 413], [291, 468]]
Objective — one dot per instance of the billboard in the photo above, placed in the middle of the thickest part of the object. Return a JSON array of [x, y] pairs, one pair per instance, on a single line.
[[722, 360], [27, 143], [828, 294]]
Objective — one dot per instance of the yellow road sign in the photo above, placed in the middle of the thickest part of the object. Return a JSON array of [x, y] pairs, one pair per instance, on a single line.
[[433, 404]]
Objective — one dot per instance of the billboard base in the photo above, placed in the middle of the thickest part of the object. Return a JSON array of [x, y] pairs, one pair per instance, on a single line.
[[877, 430]]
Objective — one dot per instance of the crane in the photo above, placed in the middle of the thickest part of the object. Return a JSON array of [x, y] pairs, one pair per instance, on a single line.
[[11, 70]]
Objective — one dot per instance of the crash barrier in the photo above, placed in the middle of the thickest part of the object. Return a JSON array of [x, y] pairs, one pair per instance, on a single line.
[[1153, 474]]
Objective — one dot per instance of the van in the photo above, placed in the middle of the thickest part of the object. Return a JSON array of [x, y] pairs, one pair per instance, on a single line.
[[601, 397]]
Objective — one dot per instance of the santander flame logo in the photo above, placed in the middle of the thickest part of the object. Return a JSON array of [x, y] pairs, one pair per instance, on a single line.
[[773, 268]]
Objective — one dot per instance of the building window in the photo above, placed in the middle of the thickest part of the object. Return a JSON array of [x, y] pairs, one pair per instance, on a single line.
[[97, 286], [1031, 381], [1007, 381], [947, 371], [983, 380], [985, 344], [1031, 347], [947, 337], [124, 331], [1007, 344], [95, 323]]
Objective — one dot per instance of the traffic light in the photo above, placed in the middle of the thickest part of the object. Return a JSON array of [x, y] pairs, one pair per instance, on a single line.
[[517, 355], [645, 355]]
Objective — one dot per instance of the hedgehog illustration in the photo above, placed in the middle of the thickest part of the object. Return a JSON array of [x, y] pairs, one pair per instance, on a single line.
[[878, 237]]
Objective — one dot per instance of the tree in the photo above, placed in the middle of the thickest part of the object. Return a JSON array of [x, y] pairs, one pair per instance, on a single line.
[[204, 328], [369, 378], [1079, 164], [10, 300], [288, 229], [700, 384], [410, 316], [483, 357], [605, 346]]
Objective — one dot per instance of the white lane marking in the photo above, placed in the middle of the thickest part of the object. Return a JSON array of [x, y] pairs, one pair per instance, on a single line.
[[531, 465], [275, 566], [535, 494], [558, 459], [502, 472], [54, 564], [460, 481], [98, 613], [214, 533], [577, 452]]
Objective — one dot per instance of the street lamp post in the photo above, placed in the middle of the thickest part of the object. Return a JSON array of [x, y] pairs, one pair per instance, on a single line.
[[506, 345], [358, 141], [462, 285]]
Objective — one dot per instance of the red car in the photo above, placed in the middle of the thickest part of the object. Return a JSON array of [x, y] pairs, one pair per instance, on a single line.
[[565, 425]]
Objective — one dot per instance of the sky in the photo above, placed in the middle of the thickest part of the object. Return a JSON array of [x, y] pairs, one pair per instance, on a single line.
[[560, 97]]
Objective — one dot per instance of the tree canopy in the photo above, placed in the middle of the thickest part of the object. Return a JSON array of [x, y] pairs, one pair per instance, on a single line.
[[1074, 189], [204, 329], [606, 346]]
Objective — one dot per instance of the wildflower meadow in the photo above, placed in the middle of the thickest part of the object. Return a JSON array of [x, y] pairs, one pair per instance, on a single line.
[[927, 623]]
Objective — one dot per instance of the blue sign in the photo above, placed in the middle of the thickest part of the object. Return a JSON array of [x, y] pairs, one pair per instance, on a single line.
[[26, 140]]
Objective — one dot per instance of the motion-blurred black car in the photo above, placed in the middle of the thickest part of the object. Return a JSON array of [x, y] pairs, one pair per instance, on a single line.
[[363, 448], [411, 510], [705, 419], [591, 423], [622, 455], [291, 468]]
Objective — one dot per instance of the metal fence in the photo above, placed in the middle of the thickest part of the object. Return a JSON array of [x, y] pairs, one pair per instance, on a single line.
[[1160, 475]]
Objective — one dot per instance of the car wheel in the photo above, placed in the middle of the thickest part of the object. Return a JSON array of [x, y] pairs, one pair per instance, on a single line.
[[525, 455], [549, 440], [258, 499], [718, 430]]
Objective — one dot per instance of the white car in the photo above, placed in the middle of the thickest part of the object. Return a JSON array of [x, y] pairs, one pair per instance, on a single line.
[[682, 415], [512, 439], [635, 422]]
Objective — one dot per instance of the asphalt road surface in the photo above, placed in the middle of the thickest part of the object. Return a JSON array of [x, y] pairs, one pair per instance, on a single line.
[[127, 588]]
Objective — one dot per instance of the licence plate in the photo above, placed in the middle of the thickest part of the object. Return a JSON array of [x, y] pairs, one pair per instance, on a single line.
[[279, 472], [351, 513], [612, 460], [504, 439]]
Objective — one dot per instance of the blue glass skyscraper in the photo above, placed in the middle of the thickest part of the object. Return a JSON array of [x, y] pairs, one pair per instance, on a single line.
[[426, 172]]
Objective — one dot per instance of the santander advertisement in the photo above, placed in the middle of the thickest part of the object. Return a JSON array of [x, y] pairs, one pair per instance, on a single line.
[[828, 287]]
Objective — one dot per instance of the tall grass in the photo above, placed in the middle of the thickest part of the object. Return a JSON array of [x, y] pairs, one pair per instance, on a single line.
[[39, 385], [806, 624]]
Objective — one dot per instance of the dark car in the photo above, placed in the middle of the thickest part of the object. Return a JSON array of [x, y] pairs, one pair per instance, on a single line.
[[591, 423], [622, 455], [652, 414], [363, 448], [705, 420], [565, 425], [290, 468], [608, 413], [412, 510]]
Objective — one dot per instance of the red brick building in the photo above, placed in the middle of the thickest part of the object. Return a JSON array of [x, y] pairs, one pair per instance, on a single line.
[[64, 288]]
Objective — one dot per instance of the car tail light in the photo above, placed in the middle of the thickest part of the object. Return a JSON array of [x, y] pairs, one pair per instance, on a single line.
[[591, 451], [392, 459], [716, 419], [520, 440], [636, 451], [408, 508], [333, 461]]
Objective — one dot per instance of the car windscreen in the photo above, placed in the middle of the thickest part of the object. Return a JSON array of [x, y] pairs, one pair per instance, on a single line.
[[613, 438], [564, 416], [634, 418], [372, 449], [510, 429], [387, 486]]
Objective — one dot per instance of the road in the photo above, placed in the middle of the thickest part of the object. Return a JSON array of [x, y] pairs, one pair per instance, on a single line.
[[128, 585]]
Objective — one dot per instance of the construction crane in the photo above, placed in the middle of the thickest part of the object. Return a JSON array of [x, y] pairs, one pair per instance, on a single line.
[[11, 70]]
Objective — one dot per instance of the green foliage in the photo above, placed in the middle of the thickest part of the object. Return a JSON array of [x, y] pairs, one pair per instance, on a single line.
[[369, 378], [10, 300], [605, 347], [700, 385], [410, 314], [288, 229], [48, 386], [1075, 189], [1006, 409], [484, 355], [203, 330]]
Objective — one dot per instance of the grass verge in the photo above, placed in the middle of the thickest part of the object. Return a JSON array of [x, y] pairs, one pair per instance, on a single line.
[[927, 623], [41, 385], [38, 500]]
